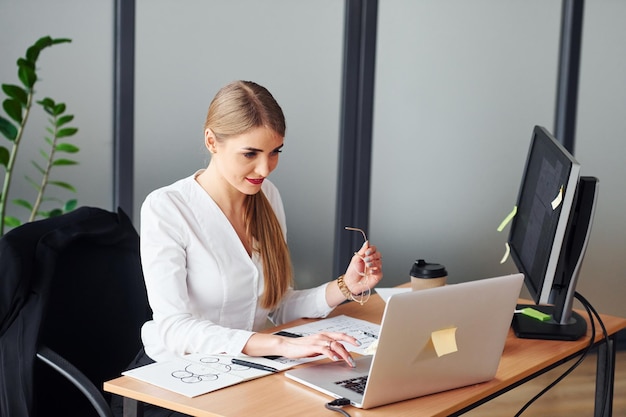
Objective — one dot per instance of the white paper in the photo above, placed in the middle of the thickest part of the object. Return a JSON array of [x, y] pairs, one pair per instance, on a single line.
[[386, 293], [198, 374]]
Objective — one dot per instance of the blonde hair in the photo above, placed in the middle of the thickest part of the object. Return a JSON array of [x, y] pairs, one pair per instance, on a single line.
[[237, 108]]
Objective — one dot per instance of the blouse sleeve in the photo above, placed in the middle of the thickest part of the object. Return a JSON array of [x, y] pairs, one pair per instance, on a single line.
[[309, 303]]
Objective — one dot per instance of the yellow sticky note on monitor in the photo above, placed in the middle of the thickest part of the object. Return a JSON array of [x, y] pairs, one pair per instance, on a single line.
[[444, 341], [558, 199], [507, 252]]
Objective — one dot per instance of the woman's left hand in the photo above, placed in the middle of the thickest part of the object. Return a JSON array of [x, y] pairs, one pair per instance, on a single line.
[[365, 269]]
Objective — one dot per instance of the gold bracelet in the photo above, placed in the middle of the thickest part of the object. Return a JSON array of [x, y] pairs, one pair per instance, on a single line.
[[344, 288], [360, 298]]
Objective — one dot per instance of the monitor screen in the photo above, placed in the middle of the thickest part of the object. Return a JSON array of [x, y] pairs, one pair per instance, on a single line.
[[549, 234], [544, 203]]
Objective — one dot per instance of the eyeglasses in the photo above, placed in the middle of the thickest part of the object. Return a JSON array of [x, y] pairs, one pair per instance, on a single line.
[[365, 295]]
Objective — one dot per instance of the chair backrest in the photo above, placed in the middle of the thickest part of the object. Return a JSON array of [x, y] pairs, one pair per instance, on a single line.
[[87, 299]]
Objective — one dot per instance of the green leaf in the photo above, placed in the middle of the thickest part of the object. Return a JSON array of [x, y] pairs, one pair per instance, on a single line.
[[61, 162], [70, 205], [4, 156], [32, 53], [55, 213], [56, 200], [50, 130], [63, 185], [27, 76], [16, 92], [39, 168], [13, 108], [59, 109], [26, 63], [48, 140], [66, 147], [43, 42], [8, 129], [35, 185], [12, 221], [47, 103], [64, 120], [44, 154], [68, 131], [23, 203], [61, 40]]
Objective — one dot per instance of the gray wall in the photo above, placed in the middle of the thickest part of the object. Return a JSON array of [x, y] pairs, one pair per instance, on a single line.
[[79, 74], [459, 86], [601, 149], [185, 54]]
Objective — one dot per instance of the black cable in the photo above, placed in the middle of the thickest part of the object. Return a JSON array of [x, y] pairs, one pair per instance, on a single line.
[[336, 405], [567, 372], [608, 358], [589, 308]]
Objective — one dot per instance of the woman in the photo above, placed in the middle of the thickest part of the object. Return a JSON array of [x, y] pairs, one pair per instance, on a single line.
[[213, 249]]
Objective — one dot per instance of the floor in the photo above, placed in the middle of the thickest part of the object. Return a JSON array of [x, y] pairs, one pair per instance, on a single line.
[[572, 397]]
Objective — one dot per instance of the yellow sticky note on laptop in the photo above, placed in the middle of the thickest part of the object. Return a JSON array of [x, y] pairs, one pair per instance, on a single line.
[[444, 341]]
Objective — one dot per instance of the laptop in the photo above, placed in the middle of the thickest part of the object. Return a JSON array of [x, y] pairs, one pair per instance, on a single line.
[[430, 341]]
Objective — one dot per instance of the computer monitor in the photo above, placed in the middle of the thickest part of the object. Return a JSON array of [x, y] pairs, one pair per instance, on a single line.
[[549, 235]]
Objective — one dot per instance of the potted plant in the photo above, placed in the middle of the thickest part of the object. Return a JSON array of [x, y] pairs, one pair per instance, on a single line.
[[17, 107]]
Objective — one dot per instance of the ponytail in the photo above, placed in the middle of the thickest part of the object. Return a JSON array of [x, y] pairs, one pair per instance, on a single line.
[[263, 226]]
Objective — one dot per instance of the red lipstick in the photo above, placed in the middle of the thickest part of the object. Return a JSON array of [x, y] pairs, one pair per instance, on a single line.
[[255, 181]]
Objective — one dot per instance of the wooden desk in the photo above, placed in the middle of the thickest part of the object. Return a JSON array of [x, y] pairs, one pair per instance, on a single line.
[[276, 395]]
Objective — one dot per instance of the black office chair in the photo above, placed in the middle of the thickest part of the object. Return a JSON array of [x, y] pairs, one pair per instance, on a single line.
[[72, 302]]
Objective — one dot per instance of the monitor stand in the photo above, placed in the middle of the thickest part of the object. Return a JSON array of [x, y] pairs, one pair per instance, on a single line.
[[530, 328]]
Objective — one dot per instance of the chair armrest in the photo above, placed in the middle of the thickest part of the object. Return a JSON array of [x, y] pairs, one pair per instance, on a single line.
[[76, 377]]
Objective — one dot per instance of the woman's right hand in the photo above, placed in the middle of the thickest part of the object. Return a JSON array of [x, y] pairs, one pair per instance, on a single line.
[[329, 344]]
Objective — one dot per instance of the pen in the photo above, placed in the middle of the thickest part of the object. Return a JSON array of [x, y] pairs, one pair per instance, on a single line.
[[254, 365], [369, 334]]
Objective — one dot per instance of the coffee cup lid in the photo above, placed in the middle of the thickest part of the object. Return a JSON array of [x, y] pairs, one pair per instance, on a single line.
[[423, 269]]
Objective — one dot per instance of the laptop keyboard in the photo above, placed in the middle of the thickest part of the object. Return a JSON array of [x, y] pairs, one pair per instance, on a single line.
[[355, 384]]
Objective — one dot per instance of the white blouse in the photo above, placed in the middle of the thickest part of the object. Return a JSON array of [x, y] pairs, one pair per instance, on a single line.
[[203, 287]]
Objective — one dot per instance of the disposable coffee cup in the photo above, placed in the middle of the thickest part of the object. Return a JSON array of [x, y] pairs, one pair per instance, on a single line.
[[426, 275]]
